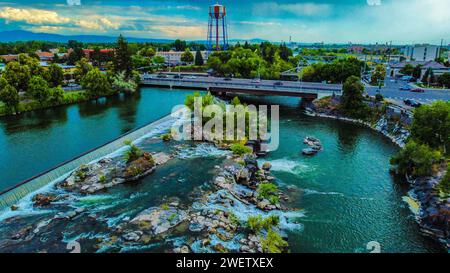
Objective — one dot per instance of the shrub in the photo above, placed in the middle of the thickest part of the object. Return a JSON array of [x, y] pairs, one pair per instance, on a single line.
[[233, 219], [133, 153], [273, 243], [102, 179], [240, 149], [379, 97], [166, 137], [257, 223], [268, 191], [254, 223]]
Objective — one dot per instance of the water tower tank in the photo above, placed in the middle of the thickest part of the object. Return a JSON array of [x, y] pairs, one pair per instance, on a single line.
[[217, 28]]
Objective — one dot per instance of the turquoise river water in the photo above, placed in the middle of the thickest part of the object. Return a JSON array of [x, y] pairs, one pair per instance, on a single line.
[[346, 195]]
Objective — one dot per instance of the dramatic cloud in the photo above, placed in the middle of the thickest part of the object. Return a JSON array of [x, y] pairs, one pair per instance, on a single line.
[[32, 16], [300, 9]]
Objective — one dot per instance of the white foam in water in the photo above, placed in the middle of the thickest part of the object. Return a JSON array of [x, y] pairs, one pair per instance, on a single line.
[[26, 204], [290, 166], [202, 150], [309, 192], [243, 211]]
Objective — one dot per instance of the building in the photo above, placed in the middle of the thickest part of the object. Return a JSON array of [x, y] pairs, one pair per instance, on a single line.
[[421, 52], [438, 69], [173, 58], [45, 56], [89, 52], [9, 57]]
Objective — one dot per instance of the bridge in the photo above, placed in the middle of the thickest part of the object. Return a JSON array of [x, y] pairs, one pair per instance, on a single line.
[[305, 90]]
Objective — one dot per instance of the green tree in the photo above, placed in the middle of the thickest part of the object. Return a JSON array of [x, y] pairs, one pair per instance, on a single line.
[[273, 243], [417, 71], [122, 60], [159, 60], [378, 75], [431, 125], [352, 101], [444, 80], [39, 90], [55, 75], [408, 70], [96, 84], [148, 52], [82, 67], [9, 95], [187, 56], [17, 75], [199, 58], [179, 45], [416, 159], [56, 95]]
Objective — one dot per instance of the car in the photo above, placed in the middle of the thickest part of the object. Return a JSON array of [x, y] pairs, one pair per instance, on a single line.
[[162, 76], [278, 84], [227, 79], [412, 103], [256, 80], [405, 88], [192, 77], [406, 78], [178, 77], [418, 90]]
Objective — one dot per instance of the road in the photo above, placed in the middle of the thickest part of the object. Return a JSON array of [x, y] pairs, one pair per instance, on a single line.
[[392, 90]]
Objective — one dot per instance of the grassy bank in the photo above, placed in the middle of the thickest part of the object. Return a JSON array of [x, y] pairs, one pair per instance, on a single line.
[[31, 105]]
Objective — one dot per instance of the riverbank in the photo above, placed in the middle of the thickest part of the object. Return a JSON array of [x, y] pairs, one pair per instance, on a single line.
[[433, 210], [69, 98]]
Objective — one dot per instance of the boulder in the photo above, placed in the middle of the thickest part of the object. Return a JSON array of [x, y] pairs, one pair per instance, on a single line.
[[263, 204], [266, 166], [132, 236], [43, 200]]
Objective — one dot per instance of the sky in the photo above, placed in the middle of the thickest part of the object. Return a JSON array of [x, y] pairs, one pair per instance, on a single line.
[[329, 21]]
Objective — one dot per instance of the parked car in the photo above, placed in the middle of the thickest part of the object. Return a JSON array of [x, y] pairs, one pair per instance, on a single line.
[[405, 88], [418, 90], [412, 103], [278, 84]]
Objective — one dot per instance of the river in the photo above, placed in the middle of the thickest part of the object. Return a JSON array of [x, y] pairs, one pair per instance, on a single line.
[[345, 196]]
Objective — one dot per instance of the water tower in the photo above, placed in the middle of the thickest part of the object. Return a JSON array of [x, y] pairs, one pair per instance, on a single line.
[[217, 28]]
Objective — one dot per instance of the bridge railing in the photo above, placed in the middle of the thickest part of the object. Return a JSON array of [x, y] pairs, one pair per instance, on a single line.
[[297, 87]]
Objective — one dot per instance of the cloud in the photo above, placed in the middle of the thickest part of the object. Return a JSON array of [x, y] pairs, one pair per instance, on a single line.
[[32, 16], [260, 23], [300, 9], [187, 32], [74, 2]]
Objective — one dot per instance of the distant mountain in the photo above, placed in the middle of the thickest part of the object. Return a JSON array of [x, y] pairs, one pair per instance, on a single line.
[[22, 35]]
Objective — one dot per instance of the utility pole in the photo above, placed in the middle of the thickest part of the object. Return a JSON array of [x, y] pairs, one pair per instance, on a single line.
[[389, 56]]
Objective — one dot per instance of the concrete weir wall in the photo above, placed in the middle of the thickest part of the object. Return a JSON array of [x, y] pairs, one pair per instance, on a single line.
[[10, 196]]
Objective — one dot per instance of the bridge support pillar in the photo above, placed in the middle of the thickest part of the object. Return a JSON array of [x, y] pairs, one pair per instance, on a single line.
[[306, 102]]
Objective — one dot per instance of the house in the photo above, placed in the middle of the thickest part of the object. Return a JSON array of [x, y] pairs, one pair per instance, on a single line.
[[9, 57], [88, 52], [438, 69], [423, 52], [45, 56]]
